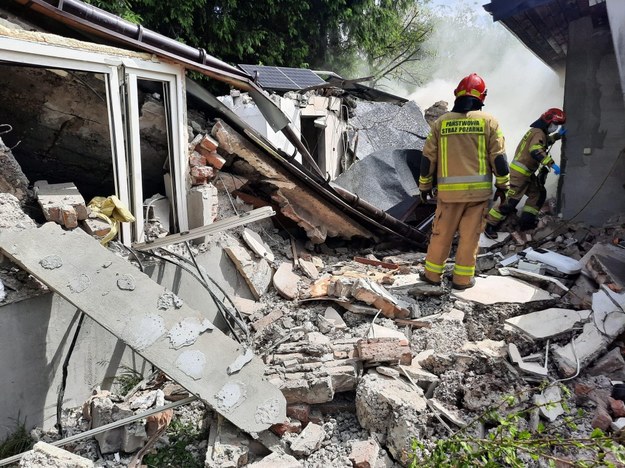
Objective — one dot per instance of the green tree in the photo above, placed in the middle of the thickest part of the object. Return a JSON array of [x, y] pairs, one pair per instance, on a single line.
[[372, 37]]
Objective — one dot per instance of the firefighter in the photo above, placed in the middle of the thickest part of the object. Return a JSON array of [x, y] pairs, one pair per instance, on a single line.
[[531, 155], [465, 148]]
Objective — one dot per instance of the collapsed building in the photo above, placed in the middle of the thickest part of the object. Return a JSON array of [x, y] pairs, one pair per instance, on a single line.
[[263, 277]]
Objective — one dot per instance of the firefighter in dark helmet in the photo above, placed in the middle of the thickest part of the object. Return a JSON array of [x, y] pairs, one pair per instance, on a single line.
[[531, 155], [465, 149]]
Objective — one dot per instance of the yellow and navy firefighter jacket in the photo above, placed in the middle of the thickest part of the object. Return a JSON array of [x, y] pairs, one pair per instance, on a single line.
[[463, 148], [531, 153]]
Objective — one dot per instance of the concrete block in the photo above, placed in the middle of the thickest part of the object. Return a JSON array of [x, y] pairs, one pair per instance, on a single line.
[[308, 441], [364, 453], [549, 322], [46, 455], [377, 397], [501, 289], [202, 206], [61, 203], [378, 331], [311, 389]]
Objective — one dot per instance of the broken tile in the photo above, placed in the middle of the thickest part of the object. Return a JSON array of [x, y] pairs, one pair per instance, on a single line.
[[501, 289], [335, 318], [549, 322], [308, 268], [449, 414]]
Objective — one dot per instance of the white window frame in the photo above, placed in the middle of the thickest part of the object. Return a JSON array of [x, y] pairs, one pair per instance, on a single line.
[[120, 69]]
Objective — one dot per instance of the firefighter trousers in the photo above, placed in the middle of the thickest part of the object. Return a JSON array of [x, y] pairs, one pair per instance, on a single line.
[[532, 186], [468, 220]]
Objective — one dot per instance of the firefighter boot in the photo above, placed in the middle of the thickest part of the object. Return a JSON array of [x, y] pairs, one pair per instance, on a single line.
[[470, 284], [490, 231], [527, 221]]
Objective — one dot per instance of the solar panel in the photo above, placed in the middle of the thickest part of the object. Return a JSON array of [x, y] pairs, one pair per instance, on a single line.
[[283, 78]]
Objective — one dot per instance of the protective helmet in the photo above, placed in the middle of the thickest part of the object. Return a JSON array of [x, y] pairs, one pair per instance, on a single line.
[[554, 116], [471, 85]]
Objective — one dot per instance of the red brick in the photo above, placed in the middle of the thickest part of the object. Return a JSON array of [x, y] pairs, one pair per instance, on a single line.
[[196, 159], [364, 453], [299, 411], [617, 407], [293, 426], [70, 220], [201, 175], [209, 143]]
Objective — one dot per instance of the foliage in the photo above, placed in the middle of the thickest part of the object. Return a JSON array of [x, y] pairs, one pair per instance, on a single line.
[[175, 454], [511, 443], [17, 441], [128, 379], [375, 37]]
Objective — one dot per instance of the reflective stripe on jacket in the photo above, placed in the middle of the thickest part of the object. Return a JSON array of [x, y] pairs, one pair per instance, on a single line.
[[462, 149], [534, 141]]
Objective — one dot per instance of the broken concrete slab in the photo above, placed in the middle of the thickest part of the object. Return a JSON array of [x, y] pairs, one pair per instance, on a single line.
[[244, 398], [449, 414], [549, 283], [611, 364], [549, 322], [605, 263], [500, 289], [588, 346], [609, 317], [44, 454], [256, 271], [285, 281], [257, 244]]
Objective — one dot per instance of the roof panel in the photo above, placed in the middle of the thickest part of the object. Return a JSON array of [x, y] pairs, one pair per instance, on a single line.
[[282, 78]]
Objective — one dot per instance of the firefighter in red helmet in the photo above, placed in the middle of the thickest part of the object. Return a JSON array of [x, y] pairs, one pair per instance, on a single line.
[[465, 149], [532, 154]]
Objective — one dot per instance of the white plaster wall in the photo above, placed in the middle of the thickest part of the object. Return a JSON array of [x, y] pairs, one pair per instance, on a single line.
[[616, 17], [35, 335]]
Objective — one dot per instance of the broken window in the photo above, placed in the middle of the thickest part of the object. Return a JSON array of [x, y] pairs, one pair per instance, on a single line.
[[112, 125]]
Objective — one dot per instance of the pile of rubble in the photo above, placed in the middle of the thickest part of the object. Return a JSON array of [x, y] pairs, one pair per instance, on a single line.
[[369, 358]]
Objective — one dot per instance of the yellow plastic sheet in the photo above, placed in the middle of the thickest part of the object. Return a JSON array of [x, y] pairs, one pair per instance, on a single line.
[[113, 211]]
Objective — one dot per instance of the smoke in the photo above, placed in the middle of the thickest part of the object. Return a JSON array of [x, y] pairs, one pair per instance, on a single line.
[[520, 86]]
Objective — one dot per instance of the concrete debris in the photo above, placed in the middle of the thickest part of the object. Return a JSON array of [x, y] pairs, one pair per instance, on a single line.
[[47, 455], [549, 403], [500, 289], [285, 281], [256, 271], [61, 203], [12, 180], [549, 323], [12, 217], [364, 453], [308, 441], [448, 414], [258, 246]]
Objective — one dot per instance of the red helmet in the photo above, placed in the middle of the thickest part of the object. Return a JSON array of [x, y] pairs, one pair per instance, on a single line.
[[472, 85], [554, 116]]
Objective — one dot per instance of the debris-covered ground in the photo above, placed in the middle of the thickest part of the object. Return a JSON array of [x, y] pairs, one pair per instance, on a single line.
[[370, 359]]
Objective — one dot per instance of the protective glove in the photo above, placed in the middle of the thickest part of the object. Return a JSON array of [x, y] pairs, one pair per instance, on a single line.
[[556, 169], [500, 194], [562, 131], [424, 195], [557, 135]]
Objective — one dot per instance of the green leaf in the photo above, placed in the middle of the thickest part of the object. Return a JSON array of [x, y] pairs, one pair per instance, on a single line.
[[596, 433]]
